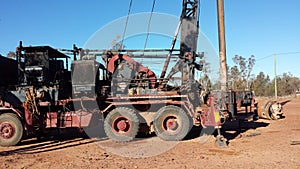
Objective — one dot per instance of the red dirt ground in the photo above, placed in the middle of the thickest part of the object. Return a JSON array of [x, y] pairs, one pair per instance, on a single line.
[[260, 144]]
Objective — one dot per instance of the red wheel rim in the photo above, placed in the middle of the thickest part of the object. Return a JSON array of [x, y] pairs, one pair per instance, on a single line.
[[170, 124], [121, 125], [7, 130]]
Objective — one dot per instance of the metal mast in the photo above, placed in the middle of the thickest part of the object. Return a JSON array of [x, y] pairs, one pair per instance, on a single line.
[[189, 33], [189, 27]]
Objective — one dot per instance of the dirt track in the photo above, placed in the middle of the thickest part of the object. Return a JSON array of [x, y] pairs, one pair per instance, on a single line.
[[260, 144]]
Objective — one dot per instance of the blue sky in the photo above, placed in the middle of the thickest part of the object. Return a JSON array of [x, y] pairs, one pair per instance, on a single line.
[[253, 27]]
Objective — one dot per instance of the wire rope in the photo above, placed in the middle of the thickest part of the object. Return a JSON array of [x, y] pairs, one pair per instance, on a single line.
[[148, 29], [126, 23]]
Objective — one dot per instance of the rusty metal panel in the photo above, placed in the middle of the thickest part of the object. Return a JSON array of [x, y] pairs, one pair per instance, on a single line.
[[84, 75], [68, 119]]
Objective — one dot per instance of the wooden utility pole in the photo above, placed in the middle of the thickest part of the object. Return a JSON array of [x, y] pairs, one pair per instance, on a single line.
[[275, 77], [222, 45]]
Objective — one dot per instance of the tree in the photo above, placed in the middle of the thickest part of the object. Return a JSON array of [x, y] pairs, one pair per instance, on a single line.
[[205, 82], [260, 83], [233, 77], [240, 74], [11, 55], [216, 85], [287, 84]]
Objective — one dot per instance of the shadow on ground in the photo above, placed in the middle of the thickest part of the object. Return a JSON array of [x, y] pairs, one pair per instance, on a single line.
[[231, 129], [61, 139], [51, 142], [242, 124]]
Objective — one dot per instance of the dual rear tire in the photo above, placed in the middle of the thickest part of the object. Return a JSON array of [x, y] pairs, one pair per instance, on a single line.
[[171, 123]]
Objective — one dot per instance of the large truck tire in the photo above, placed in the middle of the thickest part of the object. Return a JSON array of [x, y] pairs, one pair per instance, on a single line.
[[121, 124], [171, 123], [11, 129]]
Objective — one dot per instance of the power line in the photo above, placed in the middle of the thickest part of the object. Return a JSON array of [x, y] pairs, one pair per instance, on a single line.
[[287, 53], [282, 53], [264, 57]]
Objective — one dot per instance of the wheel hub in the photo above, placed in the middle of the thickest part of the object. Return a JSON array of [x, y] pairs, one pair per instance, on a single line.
[[6, 130], [122, 125], [172, 124]]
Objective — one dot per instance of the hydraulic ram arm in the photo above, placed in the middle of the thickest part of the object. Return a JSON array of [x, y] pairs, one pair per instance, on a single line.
[[163, 73]]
